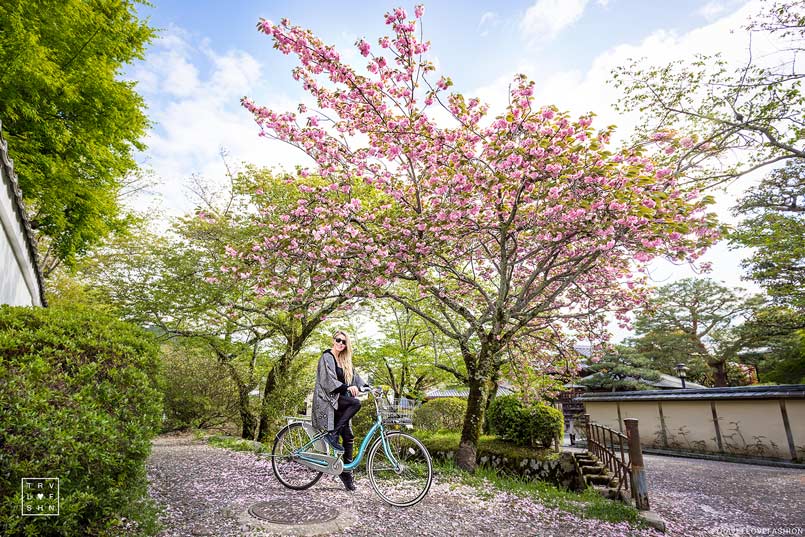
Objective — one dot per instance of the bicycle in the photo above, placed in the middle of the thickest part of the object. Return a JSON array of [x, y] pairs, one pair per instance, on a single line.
[[401, 473]]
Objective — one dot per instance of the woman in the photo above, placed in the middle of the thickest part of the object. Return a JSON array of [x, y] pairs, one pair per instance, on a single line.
[[334, 401]]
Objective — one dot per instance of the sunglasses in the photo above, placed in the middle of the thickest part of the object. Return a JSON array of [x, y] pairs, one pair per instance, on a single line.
[[339, 340]]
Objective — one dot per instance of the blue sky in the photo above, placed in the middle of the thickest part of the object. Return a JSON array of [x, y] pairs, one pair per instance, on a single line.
[[209, 55]]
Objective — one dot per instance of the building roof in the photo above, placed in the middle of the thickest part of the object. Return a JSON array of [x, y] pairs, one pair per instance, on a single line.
[[670, 381], [665, 382], [464, 392], [16, 197], [782, 391]]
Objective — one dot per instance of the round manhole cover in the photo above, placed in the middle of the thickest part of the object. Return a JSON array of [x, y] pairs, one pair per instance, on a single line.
[[293, 513]]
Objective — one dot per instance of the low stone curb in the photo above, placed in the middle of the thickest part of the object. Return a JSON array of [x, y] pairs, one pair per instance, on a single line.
[[652, 519], [723, 458]]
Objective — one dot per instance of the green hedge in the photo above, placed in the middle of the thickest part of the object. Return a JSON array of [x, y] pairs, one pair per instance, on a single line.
[[443, 414], [78, 402], [532, 425]]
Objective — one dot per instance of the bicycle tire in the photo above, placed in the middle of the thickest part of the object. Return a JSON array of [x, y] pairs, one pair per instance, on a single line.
[[413, 477], [291, 437]]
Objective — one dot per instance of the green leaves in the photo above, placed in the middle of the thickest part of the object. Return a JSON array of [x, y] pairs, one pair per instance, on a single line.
[[78, 403], [71, 123], [774, 227], [622, 369], [693, 321]]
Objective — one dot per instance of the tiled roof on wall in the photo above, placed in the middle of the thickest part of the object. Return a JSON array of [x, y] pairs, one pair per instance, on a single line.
[[16, 197], [787, 391]]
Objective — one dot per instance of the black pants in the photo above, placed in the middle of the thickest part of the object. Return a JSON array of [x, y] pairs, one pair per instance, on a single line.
[[348, 406]]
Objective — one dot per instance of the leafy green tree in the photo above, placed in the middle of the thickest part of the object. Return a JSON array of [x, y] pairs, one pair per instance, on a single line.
[[775, 344], [158, 282], [774, 228], [622, 369], [665, 348], [408, 356], [698, 316], [706, 111], [198, 391], [201, 282], [72, 123]]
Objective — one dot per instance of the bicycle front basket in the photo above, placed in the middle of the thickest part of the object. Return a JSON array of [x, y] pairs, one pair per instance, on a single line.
[[398, 413]]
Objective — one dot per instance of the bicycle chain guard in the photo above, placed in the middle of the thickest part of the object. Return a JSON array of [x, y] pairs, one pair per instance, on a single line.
[[334, 464]]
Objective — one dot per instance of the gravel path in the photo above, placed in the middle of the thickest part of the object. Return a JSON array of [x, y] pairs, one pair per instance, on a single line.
[[695, 496], [204, 489]]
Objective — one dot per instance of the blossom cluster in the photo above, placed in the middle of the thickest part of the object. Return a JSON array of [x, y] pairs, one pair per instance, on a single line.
[[527, 221]]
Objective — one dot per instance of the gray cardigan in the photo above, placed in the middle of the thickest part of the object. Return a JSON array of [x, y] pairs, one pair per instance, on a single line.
[[324, 400]]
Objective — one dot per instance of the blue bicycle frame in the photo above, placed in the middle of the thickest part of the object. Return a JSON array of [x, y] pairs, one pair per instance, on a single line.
[[303, 454]]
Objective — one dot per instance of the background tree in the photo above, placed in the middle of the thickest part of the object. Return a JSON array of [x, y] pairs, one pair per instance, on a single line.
[[528, 224], [158, 282], [621, 369], [725, 120], [774, 228], [407, 354], [72, 123], [699, 317], [664, 348], [198, 390], [774, 339], [219, 279]]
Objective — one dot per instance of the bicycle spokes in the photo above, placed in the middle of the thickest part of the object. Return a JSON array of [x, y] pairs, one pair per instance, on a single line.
[[285, 458], [402, 475]]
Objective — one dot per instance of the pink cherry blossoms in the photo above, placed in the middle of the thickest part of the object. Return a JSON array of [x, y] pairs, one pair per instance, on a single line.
[[503, 212], [526, 225]]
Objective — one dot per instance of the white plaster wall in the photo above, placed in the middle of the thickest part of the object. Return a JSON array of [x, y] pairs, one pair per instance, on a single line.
[[18, 285], [13, 289]]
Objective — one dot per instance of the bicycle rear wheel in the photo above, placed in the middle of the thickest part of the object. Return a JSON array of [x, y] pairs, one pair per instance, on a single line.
[[405, 480], [286, 468]]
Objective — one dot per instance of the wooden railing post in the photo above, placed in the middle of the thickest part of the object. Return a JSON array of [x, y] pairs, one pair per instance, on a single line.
[[587, 429], [639, 484]]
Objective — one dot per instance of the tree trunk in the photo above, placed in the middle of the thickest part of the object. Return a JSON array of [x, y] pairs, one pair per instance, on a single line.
[[719, 373], [476, 404], [493, 391], [272, 383], [247, 419]]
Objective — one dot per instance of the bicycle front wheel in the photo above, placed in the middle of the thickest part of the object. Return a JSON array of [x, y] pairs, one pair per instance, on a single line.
[[401, 477], [286, 468]]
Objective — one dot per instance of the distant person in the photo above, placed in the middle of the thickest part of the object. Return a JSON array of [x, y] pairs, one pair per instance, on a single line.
[[334, 399], [571, 430]]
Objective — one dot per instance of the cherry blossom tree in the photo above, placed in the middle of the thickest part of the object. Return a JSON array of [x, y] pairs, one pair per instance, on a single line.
[[525, 225], [292, 281]]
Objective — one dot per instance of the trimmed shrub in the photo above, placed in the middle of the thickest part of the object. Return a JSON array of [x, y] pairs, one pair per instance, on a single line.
[[443, 414], [544, 424], [78, 401], [505, 416], [532, 425]]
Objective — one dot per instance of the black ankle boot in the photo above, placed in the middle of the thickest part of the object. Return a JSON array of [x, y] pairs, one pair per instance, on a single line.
[[348, 481]]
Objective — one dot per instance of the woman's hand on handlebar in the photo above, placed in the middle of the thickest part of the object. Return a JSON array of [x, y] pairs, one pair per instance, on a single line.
[[353, 390]]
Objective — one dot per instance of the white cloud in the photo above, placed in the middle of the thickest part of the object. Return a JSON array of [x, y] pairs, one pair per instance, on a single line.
[[197, 112], [490, 19], [547, 18], [712, 10]]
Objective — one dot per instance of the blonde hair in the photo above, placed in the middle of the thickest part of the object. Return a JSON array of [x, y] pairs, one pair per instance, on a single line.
[[344, 358]]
